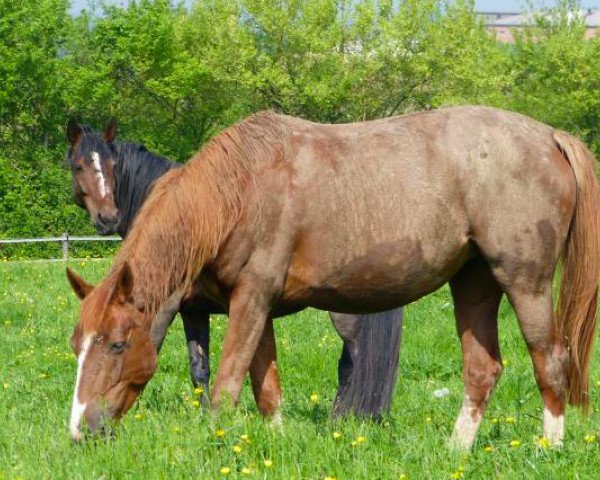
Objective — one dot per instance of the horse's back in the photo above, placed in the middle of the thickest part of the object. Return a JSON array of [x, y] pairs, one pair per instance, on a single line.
[[403, 201]]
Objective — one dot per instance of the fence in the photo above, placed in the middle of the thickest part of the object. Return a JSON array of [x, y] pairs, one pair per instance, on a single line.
[[64, 240]]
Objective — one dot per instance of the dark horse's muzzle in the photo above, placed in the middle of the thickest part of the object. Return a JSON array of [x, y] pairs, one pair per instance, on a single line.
[[106, 224]]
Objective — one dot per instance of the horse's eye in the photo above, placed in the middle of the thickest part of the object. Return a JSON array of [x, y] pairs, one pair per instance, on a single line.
[[118, 347], [77, 168]]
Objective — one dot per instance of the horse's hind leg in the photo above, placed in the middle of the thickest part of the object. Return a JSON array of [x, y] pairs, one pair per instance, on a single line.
[[476, 300], [548, 354], [264, 376]]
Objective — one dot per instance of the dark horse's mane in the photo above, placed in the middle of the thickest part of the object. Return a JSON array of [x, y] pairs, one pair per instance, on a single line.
[[136, 169]]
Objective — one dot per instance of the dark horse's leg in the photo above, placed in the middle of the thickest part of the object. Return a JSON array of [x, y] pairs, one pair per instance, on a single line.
[[196, 324], [368, 366]]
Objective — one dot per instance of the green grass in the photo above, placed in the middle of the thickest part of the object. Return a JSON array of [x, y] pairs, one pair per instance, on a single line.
[[166, 436]]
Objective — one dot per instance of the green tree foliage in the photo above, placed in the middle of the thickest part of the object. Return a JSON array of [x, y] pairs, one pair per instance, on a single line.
[[176, 74]]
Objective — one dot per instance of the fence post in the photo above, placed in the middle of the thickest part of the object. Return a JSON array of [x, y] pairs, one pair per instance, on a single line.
[[65, 246]]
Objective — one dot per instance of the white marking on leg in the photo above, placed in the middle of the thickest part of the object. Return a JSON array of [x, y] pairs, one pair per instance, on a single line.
[[78, 408], [99, 174], [466, 426], [554, 427], [276, 418]]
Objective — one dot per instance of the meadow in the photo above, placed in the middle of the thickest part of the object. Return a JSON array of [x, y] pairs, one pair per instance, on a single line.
[[168, 435]]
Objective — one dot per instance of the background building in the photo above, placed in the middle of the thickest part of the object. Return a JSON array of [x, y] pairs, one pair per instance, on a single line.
[[504, 23]]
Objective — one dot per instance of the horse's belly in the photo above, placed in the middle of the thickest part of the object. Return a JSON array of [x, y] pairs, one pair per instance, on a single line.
[[385, 277]]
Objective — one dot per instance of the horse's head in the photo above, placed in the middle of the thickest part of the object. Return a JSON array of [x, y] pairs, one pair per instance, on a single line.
[[92, 162], [116, 356]]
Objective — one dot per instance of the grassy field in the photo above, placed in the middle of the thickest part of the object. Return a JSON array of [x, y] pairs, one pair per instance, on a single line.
[[166, 435]]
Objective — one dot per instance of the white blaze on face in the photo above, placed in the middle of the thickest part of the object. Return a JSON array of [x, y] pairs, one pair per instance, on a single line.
[[99, 174], [78, 408], [554, 427]]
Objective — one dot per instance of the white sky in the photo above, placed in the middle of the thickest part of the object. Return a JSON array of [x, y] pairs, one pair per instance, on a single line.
[[493, 5]]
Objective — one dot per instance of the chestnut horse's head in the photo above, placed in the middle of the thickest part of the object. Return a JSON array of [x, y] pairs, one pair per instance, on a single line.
[[92, 162], [115, 353]]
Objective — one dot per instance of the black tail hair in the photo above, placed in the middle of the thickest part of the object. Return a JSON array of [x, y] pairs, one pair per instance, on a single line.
[[368, 367]]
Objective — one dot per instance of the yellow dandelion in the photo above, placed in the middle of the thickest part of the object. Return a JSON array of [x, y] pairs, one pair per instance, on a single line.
[[511, 419], [488, 448], [138, 416], [590, 438], [225, 470], [494, 420], [246, 471], [428, 420], [220, 433], [5, 385], [505, 363], [515, 443], [314, 398], [329, 478], [268, 463], [237, 448], [336, 435], [43, 375], [403, 476], [360, 440], [198, 390], [543, 442], [456, 475], [176, 429]]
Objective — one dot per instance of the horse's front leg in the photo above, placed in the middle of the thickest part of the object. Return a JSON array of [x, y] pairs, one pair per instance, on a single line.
[[196, 325], [264, 375], [249, 309]]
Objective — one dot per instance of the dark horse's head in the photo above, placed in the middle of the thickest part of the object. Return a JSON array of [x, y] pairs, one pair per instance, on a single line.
[[92, 160]]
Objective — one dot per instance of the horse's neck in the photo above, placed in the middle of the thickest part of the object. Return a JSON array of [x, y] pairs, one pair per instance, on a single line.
[[135, 172]]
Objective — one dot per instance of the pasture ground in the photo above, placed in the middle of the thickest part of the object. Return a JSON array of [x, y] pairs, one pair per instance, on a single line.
[[166, 435]]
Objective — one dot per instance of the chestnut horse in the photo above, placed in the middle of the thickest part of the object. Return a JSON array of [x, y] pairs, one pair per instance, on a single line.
[[116, 177], [276, 214]]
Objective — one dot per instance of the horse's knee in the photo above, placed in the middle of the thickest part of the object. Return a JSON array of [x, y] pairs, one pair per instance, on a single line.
[[200, 370]]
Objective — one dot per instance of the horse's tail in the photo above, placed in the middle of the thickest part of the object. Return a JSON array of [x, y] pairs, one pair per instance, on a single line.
[[577, 303], [373, 358]]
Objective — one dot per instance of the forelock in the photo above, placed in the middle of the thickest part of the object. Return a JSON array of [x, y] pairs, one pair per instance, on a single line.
[[91, 141]]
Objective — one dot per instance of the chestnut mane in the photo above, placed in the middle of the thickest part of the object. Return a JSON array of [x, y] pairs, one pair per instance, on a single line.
[[191, 210]]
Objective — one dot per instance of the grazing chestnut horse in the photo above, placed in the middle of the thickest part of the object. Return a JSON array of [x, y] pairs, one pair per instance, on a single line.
[[112, 179], [277, 213]]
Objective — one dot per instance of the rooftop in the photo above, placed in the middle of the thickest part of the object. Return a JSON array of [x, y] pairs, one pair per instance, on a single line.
[[591, 17]]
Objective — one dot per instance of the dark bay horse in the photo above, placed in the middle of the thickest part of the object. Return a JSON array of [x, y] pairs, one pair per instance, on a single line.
[[112, 179], [276, 214]]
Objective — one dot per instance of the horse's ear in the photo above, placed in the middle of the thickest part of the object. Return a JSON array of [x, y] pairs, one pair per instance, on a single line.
[[74, 132], [110, 131], [124, 285], [79, 285]]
